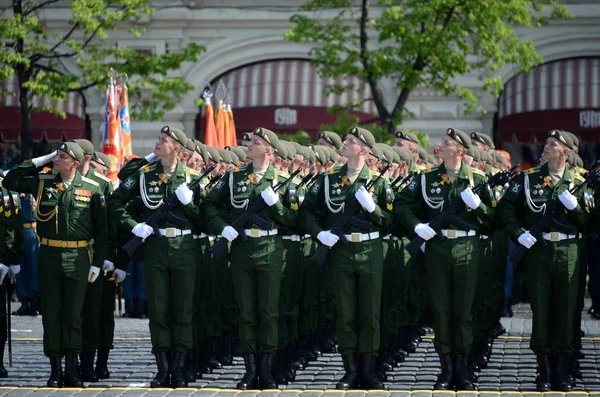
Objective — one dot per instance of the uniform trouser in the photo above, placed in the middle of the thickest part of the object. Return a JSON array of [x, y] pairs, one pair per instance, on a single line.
[[134, 286], [500, 252], [451, 274], [552, 276], [357, 270], [170, 269], [63, 275], [293, 315], [27, 280], [4, 288], [583, 266], [107, 314], [389, 291], [201, 327], [256, 272], [92, 308], [484, 290], [287, 299], [509, 275], [594, 271], [309, 301]]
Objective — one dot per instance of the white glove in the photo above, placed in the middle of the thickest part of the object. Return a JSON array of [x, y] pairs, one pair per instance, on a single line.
[[39, 161], [119, 275], [3, 272], [142, 230], [327, 238], [365, 199], [568, 200], [423, 247], [93, 274], [527, 240], [471, 199], [13, 270], [269, 196], [424, 231], [108, 266], [229, 233], [184, 194], [151, 158]]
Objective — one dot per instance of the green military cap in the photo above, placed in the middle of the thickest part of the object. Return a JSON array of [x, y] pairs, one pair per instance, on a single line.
[[201, 149], [298, 148], [487, 157], [332, 138], [404, 154], [72, 149], [387, 152], [175, 133], [460, 137], [281, 150], [267, 135], [321, 154], [363, 135], [332, 154], [247, 136], [240, 151], [407, 136], [574, 138], [234, 157], [422, 153], [483, 138], [498, 157], [577, 160], [396, 157], [190, 145], [431, 158], [474, 152], [87, 146], [563, 137], [290, 150], [308, 154], [212, 154], [101, 158], [225, 156], [376, 152]]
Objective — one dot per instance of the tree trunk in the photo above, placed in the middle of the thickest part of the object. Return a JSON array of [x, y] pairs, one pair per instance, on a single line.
[[26, 127]]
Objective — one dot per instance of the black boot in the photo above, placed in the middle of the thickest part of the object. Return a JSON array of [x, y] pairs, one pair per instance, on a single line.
[[444, 380], [102, 364], [350, 378], [462, 378], [56, 372], [563, 383], [177, 375], [72, 378], [369, 379], [213, 350], [162, 377], [23, 309], [196, 356], [3, 371], [204, 357], [279, 368], [544, 373], [226, 357], [290, 358], [249, 380], [87, 366], [189, 374], [265, 377]]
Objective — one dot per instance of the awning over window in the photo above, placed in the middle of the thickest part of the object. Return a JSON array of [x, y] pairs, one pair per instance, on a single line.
[[45, 125], [563, 94]]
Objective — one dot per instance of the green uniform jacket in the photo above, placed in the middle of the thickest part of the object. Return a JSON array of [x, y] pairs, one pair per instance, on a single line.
[[80, 209], [11, 228], [152, 185], [325, 200], [431, 191], [226, 200], [522, 204]]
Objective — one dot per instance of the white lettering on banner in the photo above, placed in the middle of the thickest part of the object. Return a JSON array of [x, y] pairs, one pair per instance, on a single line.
[[589, 119], [286, 116]]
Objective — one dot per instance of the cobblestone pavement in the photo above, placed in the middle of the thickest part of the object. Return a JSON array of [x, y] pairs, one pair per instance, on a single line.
[[511, 371]]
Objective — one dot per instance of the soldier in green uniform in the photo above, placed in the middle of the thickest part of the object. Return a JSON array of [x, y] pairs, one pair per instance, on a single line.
[[408, 141], [451, 262], [71, 211], [357, 268], [169, 261], [255, 263], [12, 240], [552, 272]]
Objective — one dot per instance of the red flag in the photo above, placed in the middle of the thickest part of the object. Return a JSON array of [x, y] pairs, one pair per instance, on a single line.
[[112, 139], [220, 121], [210, 132], [125, 126], [231, 134]]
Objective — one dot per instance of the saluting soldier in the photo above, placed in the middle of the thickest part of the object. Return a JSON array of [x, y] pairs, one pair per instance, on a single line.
[[357, 268], [452, 259], [169, 261], [552, 272], [255, 263], [71, 211]]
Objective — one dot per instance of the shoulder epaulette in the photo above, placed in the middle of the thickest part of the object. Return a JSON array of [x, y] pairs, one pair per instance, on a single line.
[[532, 170], [90, 181], [581, 170], [477, 171], [579, 178], [100, 176], [238, 169], [191, 171], [283, 174], [334, 170], [374, 174], [46, 176], [147, 168], [495, 171], [437, 167]]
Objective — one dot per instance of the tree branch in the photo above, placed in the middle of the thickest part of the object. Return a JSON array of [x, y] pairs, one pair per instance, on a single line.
[[41, 5], [377, 97], [67, 55], [83, 88]]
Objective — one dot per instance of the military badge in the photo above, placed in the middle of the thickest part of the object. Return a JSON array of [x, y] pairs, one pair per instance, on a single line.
[[251, 179], [345, 181], [547, 181], [516, 188], [129, 182], [445, 180]]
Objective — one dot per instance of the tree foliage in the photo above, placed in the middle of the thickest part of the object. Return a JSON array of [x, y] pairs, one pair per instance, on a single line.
[[420, 43], [49, 64]]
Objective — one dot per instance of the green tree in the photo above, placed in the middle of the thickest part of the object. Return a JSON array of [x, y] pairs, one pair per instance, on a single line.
[[43, 61], [419, 43]]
